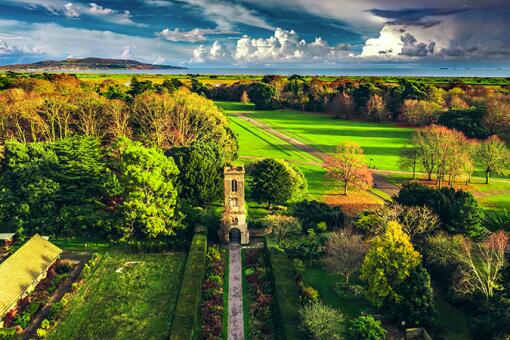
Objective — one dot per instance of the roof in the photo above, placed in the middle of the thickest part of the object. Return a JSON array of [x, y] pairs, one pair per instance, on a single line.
[[6, 236], [19, 271]]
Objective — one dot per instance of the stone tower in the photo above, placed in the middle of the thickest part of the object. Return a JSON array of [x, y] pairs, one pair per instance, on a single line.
[[234, 225]]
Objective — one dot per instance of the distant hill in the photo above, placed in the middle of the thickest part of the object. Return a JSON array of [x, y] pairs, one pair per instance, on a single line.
[[88, 64]]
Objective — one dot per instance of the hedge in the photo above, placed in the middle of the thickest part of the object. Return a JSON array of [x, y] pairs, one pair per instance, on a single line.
[[286, 292], [186, 324]]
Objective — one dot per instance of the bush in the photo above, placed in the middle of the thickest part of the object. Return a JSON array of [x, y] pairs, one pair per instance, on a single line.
[[185, 324], [282, 226], [41, 333], [365, 327], [286, 292], [7, 334], [458, 210], [311, 213], [323, 322]]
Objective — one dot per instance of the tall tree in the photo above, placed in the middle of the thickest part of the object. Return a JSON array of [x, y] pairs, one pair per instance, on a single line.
[[483, 264], [276, 182], [347, 165], [149, 195], [494, 157], [388, 263]]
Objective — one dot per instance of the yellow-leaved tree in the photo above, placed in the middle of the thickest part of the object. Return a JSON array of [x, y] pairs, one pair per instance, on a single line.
[[388, 263]]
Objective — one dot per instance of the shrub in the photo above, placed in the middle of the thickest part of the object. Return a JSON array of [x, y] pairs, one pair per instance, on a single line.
[[322, 322], [311, 213], [41, 333], [365, 327], [282, 226], [458, 210], [7, 334]]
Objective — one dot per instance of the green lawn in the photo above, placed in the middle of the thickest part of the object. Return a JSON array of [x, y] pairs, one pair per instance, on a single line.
[[451, 319], [381, 142], [255, 143], [349, 304], [136, 303]]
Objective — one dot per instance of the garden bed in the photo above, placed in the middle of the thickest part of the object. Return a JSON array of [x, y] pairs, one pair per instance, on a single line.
[[213, 295], [260, 295]]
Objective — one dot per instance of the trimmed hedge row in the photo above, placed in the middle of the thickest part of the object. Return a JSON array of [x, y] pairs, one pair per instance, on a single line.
[[286, 292], [186, 323]]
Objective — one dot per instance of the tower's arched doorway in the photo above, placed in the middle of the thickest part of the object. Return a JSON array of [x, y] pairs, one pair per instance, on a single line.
[[234, 236]]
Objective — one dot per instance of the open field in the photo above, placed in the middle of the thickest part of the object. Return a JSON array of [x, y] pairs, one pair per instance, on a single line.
[[229, 79], [125, 296], [381, 142]]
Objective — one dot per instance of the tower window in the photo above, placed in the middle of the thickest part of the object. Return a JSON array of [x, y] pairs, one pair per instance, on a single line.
[[234, 185], [234, 202]]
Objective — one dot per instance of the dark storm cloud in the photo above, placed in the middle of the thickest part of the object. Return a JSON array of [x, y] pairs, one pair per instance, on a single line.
[[413, 48]]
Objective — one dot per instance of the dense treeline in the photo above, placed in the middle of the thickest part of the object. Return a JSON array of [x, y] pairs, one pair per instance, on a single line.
[[84, 160], [477, 111]]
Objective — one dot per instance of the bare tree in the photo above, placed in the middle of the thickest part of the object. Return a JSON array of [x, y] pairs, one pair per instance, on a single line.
[[483, 262], [415, 221], [345, 252]]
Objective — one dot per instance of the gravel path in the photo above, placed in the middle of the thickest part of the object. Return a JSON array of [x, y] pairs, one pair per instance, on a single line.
[[235, 294]]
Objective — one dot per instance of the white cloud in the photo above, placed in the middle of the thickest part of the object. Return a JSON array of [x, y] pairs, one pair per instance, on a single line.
[[12, 50], [71, 10], [95, 9], [159, 61], [225, 14], [53, 41], [195, 35], [76, 10], [283, 46], [127, 53]]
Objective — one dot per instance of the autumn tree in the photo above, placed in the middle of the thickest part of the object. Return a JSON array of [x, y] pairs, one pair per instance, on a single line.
[[282, 226], [388, 263], [493, 157], [376, 108], [419, 112], [497, 116], [244, 97], [347, 165], [119, 119], [89, 115], [483, 264], [409, 158], [345, 251]]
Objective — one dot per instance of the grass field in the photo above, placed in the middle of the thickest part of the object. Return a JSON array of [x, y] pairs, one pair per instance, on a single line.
[[255, 143], [136, 303], [381, 142]]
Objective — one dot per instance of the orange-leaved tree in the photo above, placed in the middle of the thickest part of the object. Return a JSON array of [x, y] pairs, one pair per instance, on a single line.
[[347, 165]]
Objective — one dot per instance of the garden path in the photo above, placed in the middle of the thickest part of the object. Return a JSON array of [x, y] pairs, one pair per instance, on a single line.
[[235, 294]]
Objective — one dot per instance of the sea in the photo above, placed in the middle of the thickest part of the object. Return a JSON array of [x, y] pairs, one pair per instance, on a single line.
[[351, 71]]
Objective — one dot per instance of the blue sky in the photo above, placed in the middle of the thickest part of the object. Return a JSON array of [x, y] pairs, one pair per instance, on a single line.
[[244, 33]]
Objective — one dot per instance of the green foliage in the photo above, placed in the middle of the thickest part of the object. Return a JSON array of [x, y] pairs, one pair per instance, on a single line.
[[146, 178], [185, 324], [200, 172], [468, 121], [286, 292], [262, 95], [55, 187], [365, 327], [322, 321], [497, 220], [388, 263], [8, 334], [138, 87], [311, 213], [282, 226], [458, 210], [369, 224], [276, 182], [362, 94], [417, 304]]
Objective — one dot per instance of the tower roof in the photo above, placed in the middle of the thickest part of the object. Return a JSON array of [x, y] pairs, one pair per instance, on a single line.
[[234, 169]]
